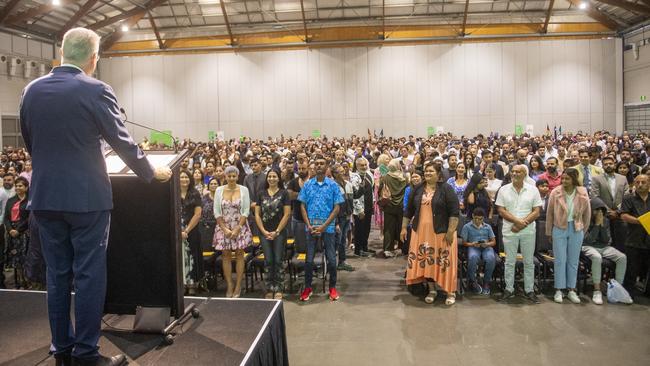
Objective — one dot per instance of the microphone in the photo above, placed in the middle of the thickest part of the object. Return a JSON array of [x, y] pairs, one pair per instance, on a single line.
[[125, 119]]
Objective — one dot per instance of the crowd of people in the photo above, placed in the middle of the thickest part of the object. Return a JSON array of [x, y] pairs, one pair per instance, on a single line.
[[583, 192]]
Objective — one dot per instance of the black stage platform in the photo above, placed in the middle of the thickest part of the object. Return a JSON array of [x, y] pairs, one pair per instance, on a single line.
[[228, 332]]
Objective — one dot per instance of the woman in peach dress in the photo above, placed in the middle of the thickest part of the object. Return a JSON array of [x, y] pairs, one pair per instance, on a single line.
[[433, 250]]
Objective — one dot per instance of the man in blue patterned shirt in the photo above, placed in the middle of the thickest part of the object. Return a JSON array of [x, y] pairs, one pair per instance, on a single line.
[[320, 198]]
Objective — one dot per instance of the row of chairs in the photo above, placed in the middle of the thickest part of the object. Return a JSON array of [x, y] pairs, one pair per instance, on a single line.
[[295, 257], [543, 261]]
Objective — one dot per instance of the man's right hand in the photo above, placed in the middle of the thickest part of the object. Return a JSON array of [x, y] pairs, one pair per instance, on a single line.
[[162, 174]]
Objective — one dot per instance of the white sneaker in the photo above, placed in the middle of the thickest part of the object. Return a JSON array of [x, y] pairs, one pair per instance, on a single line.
[[558, 297], [573, 297], [597, 298]]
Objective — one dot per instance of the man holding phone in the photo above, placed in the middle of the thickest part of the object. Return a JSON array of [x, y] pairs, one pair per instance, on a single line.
[[479, 239]]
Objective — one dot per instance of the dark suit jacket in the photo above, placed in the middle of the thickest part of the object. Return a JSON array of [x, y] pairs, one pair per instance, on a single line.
[[63, 116]]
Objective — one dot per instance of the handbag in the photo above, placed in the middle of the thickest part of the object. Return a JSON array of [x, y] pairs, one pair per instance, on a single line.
[[384, 197]]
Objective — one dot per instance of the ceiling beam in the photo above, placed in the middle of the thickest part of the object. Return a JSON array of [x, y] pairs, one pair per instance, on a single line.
[[35, 12], [383, 19], [304, 20], [597, 15], [4, 13], [225, 19], [548, 16], [462, 32], [161, 44], [83, 10], [136, 11], [130, 22], [637, 8]]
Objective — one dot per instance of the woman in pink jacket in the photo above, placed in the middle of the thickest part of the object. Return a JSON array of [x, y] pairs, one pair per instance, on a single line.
[[567, 217]]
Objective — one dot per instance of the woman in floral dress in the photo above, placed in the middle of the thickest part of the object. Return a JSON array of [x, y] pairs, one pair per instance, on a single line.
[[231, 209]]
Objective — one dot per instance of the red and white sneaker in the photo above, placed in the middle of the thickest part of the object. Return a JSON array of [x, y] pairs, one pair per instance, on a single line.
[[306, 294], [334, 295]]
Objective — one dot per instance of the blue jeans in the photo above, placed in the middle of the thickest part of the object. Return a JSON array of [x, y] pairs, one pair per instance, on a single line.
[[274, 251], [342, 239], [567, 244], [330, 256], [473, 257]]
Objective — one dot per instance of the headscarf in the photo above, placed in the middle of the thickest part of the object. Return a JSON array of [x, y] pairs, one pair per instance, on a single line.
[[395, 170]]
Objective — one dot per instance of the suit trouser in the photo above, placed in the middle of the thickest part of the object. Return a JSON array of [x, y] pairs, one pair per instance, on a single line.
[[527, 244], [74, 245], [361, 233]]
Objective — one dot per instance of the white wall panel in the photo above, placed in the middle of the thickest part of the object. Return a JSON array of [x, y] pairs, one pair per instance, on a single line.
[[470, 88]]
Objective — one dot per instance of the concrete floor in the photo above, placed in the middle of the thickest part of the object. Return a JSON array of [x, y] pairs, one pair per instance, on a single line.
[[377, 322]]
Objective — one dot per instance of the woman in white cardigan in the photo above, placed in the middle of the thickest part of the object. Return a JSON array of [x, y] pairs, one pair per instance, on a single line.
[[231, 209]]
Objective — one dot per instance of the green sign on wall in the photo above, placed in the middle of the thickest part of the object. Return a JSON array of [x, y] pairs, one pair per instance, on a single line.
[[431, 131], [519, 130], [157, 137], [644, 98], [211, 136], [315, 133]]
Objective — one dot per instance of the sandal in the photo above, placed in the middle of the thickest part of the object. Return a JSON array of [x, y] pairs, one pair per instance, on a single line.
[[431, 297], [451, 300]]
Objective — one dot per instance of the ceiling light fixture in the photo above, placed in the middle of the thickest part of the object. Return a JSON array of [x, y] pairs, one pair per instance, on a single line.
[[125, 28], [56, 2], [583, 5]]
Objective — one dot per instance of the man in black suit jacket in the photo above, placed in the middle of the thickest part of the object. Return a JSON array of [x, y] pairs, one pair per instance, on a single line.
[[64, 115]]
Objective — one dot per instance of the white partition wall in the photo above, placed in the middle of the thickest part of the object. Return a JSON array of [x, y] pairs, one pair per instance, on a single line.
[[468, 88]]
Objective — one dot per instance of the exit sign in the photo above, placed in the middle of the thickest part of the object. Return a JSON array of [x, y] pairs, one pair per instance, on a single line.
[[644, 98]]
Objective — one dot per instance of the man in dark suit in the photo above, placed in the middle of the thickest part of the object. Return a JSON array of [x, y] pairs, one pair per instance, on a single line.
[[63, 116], [610, 188]]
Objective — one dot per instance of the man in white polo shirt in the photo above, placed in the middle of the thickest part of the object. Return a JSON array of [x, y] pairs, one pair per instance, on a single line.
[[519, 205]]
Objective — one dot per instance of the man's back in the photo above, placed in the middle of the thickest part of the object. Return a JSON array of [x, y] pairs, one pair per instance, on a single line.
[[63, 115]]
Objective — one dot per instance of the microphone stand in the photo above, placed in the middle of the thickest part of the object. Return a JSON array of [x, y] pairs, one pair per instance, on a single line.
[[150, 129]]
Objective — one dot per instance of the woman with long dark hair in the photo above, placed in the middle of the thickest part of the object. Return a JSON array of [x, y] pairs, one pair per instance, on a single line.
[[191, 207], [459, 183], [536, 167], [16, 222], [272, 214]]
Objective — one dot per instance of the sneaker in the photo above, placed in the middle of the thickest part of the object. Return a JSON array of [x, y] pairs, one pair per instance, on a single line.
[[476, 287], [334, 295], [345, 267], [486, 290], [532, 297], [597, 298], [628, 302], [558, 297], [306, 294], [507, 295], [388, 254], [573, 297]]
